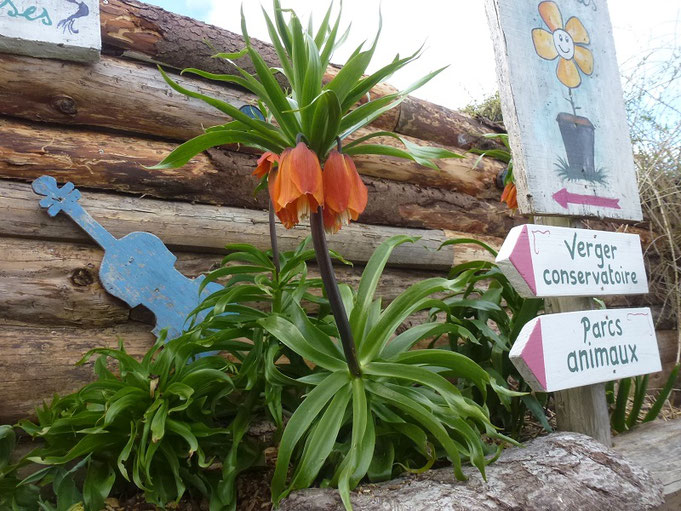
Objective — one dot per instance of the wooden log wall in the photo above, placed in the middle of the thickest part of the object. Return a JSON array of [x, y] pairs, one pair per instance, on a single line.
[[101, 126]]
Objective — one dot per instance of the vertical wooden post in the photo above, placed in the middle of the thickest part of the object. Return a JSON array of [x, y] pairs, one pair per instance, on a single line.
[[581, 409]]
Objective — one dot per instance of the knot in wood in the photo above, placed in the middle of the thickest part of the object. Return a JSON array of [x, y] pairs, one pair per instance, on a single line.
[[82, 277], [65, 104]]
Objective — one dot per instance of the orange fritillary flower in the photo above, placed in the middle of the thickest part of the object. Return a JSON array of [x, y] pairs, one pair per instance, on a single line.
[[564, 41], [345, 195], [510, 196], [296, 187], [265, 163]]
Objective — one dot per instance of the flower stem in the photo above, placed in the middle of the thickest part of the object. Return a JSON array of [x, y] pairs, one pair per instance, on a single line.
[[332, 292], [273, 239]]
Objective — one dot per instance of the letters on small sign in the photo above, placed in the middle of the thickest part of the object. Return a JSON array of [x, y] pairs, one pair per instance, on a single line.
[[62, 29], [546, 261], [560, 351]]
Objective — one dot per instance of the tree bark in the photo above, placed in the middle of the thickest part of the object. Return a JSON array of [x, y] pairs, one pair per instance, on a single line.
[[560, 472], [56, 283], [72, 94], [428, 121], [655, 446], [205, 229], [120, 163], [38, 360], [113, 93]]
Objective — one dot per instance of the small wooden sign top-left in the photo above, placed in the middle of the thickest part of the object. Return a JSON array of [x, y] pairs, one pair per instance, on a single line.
[[55, 29]]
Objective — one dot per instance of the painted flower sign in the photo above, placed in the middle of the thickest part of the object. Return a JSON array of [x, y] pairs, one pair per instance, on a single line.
[[563, 108], [565, 42]]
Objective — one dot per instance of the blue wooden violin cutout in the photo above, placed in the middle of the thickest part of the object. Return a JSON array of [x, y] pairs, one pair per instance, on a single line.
[[137, 268]]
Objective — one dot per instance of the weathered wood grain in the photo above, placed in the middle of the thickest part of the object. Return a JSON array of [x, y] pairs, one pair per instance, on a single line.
[[38, 360], [571, 155], [51, 29], [149, 33], [655, 446], [582, 409], [560, 472], [57, 283], [117, 162], [113, 93], [201, 228], [667, 342], [35, 146]]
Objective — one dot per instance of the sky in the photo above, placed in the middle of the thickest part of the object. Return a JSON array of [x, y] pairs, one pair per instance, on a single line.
[[455, 34]]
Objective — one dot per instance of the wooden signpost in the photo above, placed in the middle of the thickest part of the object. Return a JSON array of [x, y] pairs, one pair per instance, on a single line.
[[561, 351], [563, 108], [56, 29], [541, 260]]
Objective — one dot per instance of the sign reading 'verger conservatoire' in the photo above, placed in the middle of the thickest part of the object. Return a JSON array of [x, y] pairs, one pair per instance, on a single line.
[[59, 29], [561, 351], [546, 261], [563, 108]]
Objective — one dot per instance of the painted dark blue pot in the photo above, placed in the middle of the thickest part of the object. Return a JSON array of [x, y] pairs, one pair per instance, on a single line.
[[578, 138]]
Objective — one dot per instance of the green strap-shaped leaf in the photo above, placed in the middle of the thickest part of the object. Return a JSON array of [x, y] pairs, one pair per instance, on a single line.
[[320, 442], [299, 423], [184, 152], [408, 338], [422, 376], [265, 129], [399, 309], [459, 365], [425, 418], [98, 482], [288, 334], [369, 281]]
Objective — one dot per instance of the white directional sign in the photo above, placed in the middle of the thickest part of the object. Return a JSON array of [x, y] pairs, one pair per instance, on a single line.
[[544, 261], [58, 29], [563, 108], [561, 351]]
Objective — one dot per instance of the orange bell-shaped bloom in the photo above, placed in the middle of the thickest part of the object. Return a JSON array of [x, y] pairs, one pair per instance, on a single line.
[[265, 163], [296, 188], [345, 195], [510, 196]]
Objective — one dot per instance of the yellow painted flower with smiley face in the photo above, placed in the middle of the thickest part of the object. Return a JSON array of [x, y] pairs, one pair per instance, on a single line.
[[565, 42]]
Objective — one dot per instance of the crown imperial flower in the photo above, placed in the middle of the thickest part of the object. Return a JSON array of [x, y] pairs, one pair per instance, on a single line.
[[265, 163], [345, 195], [564, 41], [296, 188]]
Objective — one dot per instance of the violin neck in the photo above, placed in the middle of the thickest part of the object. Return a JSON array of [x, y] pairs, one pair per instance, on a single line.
[[103, 237]]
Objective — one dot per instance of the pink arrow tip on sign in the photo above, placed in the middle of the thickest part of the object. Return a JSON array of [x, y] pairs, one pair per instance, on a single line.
[[563, 197], [533, 354], [521, 258]]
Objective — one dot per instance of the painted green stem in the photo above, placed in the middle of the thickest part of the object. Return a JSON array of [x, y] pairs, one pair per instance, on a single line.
[[332, 292]]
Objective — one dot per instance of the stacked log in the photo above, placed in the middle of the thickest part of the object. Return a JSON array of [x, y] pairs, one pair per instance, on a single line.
[[104, 125]]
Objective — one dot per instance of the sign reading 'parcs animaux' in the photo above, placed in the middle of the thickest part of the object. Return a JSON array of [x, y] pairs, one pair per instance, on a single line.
[[543, 261], [561, 351], [59, 29]]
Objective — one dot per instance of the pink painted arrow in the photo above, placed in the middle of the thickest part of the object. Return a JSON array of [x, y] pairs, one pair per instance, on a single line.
[[521, 258], [563, 197], [533, 354]]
